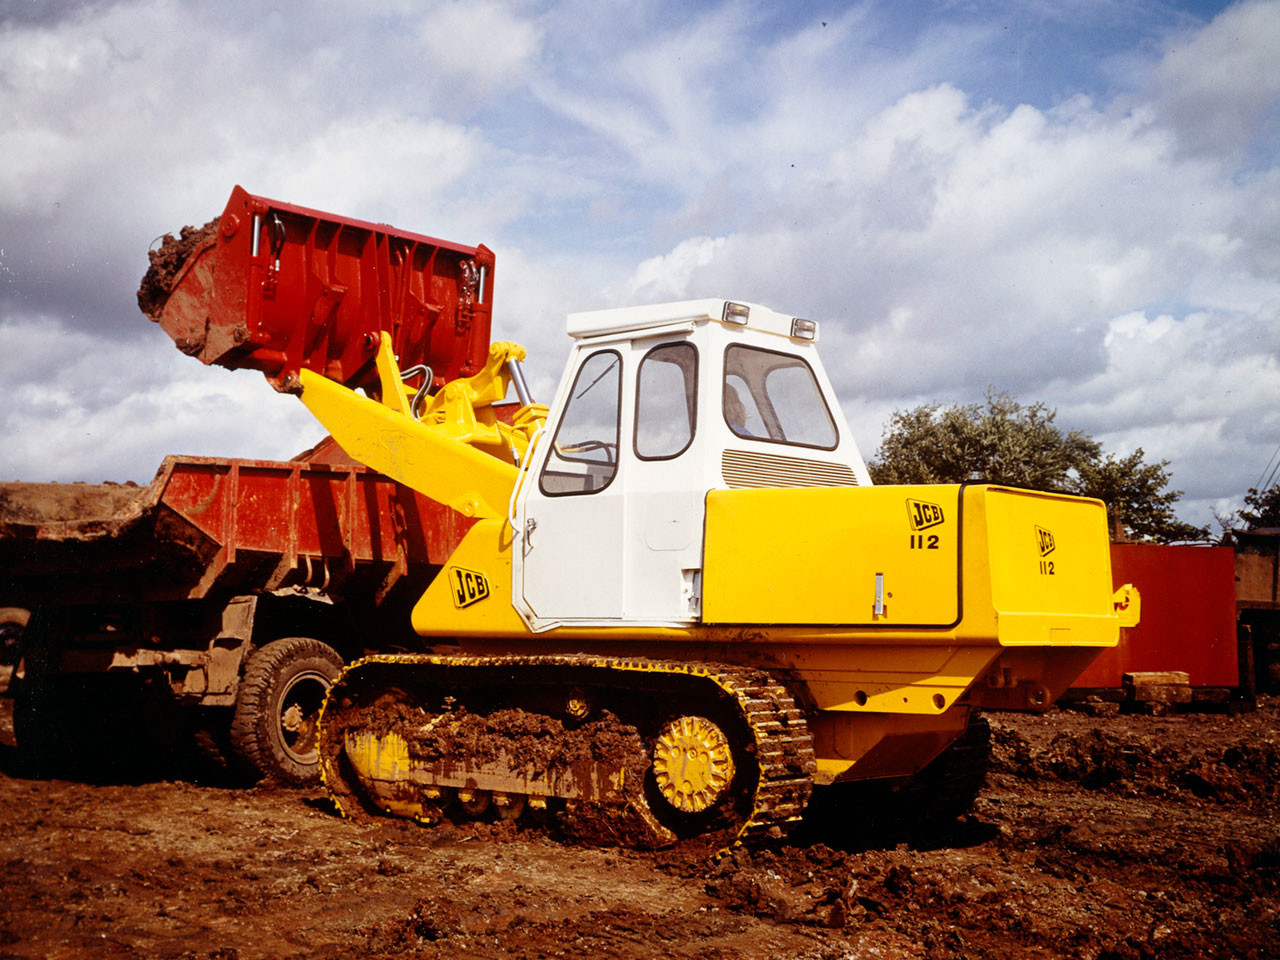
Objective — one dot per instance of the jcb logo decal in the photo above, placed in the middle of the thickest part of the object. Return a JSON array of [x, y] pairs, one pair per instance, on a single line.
[[923, 515], [1045, 539], [468, 586]]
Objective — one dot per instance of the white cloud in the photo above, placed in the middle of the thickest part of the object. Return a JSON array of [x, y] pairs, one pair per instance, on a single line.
[[348, 164], [81, 407], [670, 276], [1199, 389], [478, 43], [1219, 86]]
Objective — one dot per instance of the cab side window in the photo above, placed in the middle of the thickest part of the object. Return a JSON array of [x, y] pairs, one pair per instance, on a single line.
[[666, 401], [584, 451], [775, 397]]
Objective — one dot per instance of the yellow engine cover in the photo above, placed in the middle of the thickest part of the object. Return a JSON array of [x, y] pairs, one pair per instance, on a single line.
[[987, 562]]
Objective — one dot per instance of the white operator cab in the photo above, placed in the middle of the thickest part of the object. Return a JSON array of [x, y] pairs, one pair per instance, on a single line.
[[657, 406]]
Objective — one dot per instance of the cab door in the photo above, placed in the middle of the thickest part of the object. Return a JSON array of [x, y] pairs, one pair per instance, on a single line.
[[665, 485], [571, 517]]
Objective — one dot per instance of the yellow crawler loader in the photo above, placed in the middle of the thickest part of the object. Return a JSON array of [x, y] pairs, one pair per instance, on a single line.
[[682, 605]]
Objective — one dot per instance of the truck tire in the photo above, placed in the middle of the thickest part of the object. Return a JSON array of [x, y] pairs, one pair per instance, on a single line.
[[13, 620], [273, 730], [38, 744], [42, 725]]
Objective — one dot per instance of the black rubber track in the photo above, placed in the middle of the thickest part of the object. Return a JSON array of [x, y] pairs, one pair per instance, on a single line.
[[946, 789]]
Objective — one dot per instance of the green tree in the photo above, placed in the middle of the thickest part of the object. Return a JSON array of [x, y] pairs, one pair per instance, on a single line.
[[1004, 441], [1137, 493], [1261, 508]]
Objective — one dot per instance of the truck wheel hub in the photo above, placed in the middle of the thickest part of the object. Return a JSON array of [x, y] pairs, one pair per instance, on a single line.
[[291, 719], [300, 704], [692, 763]]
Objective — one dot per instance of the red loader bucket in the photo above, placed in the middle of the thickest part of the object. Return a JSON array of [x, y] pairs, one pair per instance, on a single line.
[[275, 287]]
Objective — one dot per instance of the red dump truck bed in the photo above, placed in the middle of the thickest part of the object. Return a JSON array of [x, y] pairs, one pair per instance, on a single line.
[[213, 524]]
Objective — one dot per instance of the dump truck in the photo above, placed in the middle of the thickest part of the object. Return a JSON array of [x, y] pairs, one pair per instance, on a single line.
[[681, 607], [218, 603]]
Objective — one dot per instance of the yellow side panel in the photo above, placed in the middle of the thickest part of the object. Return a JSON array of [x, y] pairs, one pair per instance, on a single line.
[[812, 556], [1050, 563], [471, 596]]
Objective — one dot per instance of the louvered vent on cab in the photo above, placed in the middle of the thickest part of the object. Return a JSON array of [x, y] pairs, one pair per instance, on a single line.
[[743, 469]]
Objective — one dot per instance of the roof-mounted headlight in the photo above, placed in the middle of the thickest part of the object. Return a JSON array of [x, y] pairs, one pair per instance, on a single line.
[[804, 329], [736, 313]]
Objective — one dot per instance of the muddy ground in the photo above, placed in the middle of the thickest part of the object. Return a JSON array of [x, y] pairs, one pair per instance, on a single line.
[[1121, 837]]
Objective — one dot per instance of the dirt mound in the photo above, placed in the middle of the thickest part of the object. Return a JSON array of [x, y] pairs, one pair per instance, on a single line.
[[1231, 761], [166, 262], [1049, 890], [813, 886], [33, 504]]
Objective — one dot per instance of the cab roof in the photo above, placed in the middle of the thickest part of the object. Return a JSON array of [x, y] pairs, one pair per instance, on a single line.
[[595, 323]]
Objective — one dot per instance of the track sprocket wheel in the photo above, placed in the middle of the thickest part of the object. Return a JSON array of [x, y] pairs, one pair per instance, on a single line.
[[692, 764]]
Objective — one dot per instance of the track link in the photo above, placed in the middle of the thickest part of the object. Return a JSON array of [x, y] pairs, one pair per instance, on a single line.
[[778, 743]]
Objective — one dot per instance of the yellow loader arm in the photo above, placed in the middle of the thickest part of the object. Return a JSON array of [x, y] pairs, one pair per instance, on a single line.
[[458, 452]]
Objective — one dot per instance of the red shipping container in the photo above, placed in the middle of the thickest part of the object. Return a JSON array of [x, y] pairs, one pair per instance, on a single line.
[[1188, 616]]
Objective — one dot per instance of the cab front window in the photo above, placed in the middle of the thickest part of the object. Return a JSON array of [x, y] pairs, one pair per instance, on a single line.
[[666, 401], [584, 451]]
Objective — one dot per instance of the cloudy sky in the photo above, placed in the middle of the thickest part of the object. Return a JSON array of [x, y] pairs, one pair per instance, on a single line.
[[1077, 201]]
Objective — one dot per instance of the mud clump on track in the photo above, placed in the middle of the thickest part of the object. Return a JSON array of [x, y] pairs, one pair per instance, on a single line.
[[515, 740], [166, 262], [534, 740], [1106, 839], [539, 741]]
